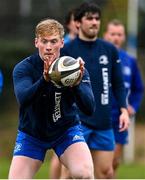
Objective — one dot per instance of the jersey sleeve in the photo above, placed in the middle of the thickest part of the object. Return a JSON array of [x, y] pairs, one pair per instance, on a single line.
[[24, 87], [1, 81], [117, 80], [137, 86], [84, 96]]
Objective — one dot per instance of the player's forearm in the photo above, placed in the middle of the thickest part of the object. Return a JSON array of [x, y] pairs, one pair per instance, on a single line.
[[85, 98], [26, 92]]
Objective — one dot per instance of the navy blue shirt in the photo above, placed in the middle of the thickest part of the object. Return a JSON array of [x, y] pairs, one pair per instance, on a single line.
[[103, 64], [45, 110]]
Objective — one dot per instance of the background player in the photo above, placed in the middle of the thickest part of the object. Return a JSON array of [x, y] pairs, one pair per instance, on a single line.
[[102, 62], [1, 81], [70, 26], [115, 33]]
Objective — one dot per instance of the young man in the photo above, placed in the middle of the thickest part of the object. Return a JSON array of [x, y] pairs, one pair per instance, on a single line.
[[48, 117], [102, 62], [115, 33]]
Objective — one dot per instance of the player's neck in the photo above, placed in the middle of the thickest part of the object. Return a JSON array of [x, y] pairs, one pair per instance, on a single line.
[[86, 38]]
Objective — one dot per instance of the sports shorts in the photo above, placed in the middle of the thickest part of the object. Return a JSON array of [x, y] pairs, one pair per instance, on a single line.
[[120, 137], [29, 146], [101, 140]]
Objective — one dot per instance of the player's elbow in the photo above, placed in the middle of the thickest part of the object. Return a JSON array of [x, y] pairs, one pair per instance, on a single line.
[[90, 108]]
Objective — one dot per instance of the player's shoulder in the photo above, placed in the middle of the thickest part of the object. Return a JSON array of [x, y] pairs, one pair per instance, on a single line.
[[127, 56], [25, 63]]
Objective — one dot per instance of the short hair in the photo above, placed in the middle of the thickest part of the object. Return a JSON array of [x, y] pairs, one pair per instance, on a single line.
[[49, 27], [86, 7], [115, 22], [69, 16]]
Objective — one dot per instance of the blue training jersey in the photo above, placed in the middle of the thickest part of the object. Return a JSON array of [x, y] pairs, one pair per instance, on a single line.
[[67, 39], [1, 81], [132, 81], [46, 111], [103, 64]]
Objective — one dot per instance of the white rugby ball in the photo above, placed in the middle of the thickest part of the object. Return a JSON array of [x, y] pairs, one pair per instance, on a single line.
[[64, 71]]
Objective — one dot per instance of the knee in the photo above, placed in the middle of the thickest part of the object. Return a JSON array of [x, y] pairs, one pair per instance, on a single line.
[[104, 173], [109, 173], [116, 163], [82, 172]]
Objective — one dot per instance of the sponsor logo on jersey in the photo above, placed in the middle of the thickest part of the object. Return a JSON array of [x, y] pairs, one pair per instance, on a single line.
[[103, 60], [118, 60], [86, 80], [18, 147], [57, 111], [77, 137], [105, 94]]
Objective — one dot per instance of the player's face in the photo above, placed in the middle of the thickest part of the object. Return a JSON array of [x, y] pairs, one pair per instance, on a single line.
[[49, 47], [72, 26], [115, 34], [89, 26]]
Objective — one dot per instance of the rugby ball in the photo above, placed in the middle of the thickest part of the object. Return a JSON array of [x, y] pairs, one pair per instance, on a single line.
[[64, 71]]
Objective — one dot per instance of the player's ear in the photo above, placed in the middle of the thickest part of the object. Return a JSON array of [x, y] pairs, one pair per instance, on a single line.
[[77, 23], [62, 43], [36, 42]]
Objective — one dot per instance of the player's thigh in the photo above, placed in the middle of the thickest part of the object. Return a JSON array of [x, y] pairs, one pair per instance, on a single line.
[[102, 159], [23, 167], [55, 167], [78, 154], [65, 174]]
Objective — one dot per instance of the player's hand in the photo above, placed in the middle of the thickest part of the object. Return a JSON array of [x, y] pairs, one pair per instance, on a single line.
[[47, 63], [82, 68], [124, 120], [130, 110]]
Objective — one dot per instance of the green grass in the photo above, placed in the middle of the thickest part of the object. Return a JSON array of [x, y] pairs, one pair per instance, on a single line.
[[133, 171]]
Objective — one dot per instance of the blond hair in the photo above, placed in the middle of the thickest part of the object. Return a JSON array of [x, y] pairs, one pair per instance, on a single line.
[[49, 27]]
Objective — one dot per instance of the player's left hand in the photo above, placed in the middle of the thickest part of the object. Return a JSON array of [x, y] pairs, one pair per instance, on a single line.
[[47, 63], [82, 68], [124, 120], [130, 110]]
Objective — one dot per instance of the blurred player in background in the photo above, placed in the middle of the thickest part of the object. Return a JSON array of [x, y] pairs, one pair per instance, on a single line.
[[102, 61], [115, 33], [70, 26], [47, 116], [1, 81]]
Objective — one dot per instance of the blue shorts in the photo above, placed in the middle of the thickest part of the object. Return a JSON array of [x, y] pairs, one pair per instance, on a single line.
[[120, 137], [29, 146], [101, 140]]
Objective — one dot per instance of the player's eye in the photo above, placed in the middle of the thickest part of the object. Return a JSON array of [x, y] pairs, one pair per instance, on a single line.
[[53, 41], [91, 18], [44, 41]]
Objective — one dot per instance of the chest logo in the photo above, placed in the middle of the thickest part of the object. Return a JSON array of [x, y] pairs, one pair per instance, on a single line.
[[57, 110], [103, 60]]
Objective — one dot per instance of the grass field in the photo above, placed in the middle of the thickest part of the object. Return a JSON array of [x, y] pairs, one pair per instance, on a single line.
[[132, 171]]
